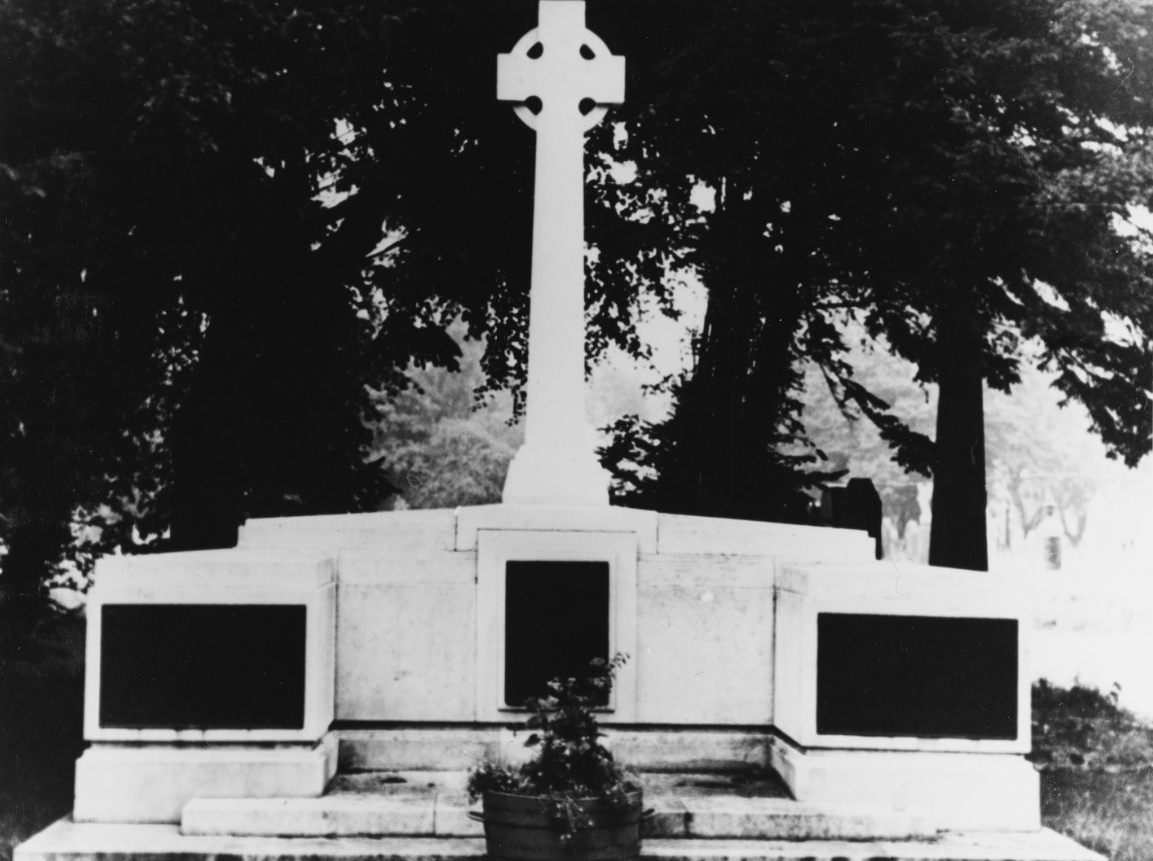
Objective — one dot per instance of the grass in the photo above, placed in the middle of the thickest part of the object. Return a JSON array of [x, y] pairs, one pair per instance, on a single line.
[[1096, 759], [1110, 812], [1097, 770]]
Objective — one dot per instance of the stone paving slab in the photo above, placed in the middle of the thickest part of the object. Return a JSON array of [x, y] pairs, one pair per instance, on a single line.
[[1044, 845], [69, 841], [427, 804], [346, 815]]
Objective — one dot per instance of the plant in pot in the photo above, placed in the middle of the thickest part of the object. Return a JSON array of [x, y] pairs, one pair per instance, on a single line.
[[571, 800]]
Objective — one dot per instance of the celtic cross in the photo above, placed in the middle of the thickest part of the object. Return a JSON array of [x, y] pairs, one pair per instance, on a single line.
[[560, 75]]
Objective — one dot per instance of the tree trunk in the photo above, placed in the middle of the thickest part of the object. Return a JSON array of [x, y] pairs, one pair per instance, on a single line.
[[1074, 535], [958, 534], [208, 444], [727, 413]]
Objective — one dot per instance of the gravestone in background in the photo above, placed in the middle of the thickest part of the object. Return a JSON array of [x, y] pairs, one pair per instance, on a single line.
[[856, 505]]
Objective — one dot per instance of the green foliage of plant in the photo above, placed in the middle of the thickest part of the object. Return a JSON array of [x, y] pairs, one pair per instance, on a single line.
[[1081, 727], [956, 176], [1038, 451], [570, 763], [441, 442], [1097, 769]]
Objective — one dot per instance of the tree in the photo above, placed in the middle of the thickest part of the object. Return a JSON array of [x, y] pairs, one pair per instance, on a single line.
[[1039, 452], [851, 441], [174, 181], [955, 173], [1041, 455], [441, 444]]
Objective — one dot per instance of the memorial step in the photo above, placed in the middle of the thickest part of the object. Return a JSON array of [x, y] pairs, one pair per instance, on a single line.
[[435, 804], [70, 841]]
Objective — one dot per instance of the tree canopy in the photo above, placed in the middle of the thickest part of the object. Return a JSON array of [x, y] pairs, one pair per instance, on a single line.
[[226, 224], [194, 289], [960, 177]]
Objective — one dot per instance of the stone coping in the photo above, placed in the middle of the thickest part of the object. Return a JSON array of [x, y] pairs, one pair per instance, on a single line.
[[457, 529], [69, 841]]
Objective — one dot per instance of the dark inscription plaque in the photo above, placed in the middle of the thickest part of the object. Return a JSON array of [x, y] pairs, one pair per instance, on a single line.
[[201, 666], [920, 676], [556, 621]]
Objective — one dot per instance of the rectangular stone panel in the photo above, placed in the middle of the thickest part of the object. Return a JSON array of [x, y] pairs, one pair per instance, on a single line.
[[202, 666], [918, 676], [556, 621]]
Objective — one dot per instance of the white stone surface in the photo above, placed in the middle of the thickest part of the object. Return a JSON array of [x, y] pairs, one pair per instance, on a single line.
[[680, 751], [221, 577], [74, 841], [557, 462], [70, 841], [705, 640], [951, 591], [343, 815], [952, 791], [982, 846], [887, 588], [495, 549], [395, 531], [153, 783], [734, 817], [417, 567], [164, 574], [667, 750], [406, 642], [453, 820], [417, 748], [435, 803], [679, 533], [556, 518], [543, 474]]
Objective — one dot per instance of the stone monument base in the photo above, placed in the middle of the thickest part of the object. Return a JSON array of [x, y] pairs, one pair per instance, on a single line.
[[551, 475], [958, 791], [422, 816], [153, 783]]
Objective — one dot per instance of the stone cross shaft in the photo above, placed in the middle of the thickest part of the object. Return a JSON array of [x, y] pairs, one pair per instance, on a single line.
[[565, 66]]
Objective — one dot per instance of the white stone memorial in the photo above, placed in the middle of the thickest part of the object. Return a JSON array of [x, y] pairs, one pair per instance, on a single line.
[[891, 699], [557, 463]]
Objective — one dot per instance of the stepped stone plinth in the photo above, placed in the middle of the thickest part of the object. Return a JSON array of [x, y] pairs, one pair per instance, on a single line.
[[67, 841], [736, 815]]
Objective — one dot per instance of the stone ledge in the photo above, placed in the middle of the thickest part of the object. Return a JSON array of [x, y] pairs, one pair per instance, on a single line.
[[389, 530], [433, 813], [667, 748], [471, 520], [69, 841]]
